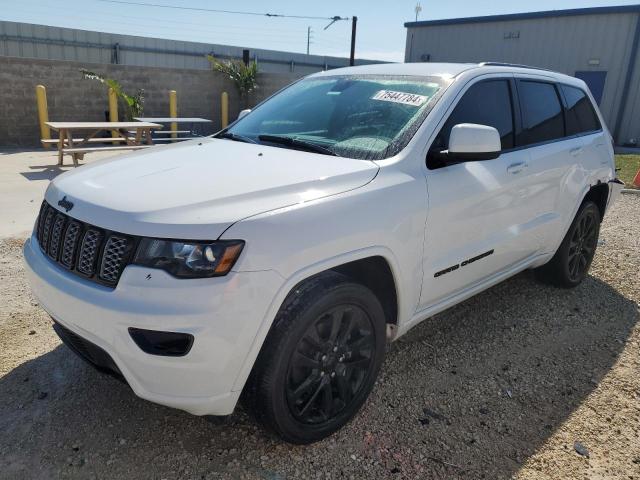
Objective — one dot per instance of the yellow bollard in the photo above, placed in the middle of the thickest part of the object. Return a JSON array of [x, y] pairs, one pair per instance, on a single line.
[[224, 110], [173, 111], [43, 113], [113, 109]]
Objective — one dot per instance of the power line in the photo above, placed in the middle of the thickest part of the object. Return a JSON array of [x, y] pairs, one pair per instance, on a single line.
[[234, 12], [336, 18], [211, 29], [214, 34]]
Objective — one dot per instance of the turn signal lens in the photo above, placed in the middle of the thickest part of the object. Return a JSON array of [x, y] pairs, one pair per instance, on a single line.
[[229, 257]]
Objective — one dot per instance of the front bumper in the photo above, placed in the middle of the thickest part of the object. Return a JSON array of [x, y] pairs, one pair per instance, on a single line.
[[223, 314]]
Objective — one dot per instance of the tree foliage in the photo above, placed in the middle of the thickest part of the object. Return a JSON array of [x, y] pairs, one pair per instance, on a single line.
[[244, 77], [134, 103]]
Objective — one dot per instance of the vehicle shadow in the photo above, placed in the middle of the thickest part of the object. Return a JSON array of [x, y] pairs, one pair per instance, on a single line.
[[470, 393]]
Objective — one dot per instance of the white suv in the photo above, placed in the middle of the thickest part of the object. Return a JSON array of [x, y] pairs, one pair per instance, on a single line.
[[277, 258]]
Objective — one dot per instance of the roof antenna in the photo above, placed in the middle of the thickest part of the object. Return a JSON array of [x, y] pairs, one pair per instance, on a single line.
[[418, 9]]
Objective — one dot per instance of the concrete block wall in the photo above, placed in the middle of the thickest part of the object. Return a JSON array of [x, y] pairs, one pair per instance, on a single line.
[[72, 98]]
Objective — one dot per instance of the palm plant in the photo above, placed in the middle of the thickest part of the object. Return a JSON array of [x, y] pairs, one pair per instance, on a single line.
[[134, 103], [244, 77]]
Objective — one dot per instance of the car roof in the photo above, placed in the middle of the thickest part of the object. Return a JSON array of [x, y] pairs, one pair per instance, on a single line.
[[444, 70]]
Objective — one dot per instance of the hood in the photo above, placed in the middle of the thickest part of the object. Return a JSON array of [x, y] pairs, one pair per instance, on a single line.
[[197, 189]]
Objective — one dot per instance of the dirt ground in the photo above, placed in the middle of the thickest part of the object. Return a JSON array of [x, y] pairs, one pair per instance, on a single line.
[[514, 382]]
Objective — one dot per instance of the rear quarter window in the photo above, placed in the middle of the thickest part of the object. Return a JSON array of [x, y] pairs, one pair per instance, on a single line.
[[581, 116]]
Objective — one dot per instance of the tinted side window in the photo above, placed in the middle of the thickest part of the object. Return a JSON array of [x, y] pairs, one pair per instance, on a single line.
[[485, 103], [541, 112], [581, 117]]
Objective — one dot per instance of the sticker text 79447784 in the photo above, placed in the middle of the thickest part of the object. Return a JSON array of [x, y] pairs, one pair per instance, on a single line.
[[400, 97]]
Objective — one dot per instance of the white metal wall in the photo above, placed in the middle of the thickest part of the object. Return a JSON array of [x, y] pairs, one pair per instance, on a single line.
[[57, 43], [566, 44]]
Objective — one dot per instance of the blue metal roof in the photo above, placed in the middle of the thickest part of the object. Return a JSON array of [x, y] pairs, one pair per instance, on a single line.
[[529, 15]]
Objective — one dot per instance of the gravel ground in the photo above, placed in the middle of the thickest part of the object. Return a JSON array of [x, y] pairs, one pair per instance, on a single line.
[[500, 386]]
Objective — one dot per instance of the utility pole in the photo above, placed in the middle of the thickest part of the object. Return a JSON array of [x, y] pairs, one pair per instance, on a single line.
[[354, 22], [308, 38]]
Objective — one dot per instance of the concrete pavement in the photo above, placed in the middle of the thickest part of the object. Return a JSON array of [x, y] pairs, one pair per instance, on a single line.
[[24, 177]]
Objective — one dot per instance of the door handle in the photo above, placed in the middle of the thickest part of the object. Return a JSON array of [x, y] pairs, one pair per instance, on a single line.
[[516, 167], [575, 151]]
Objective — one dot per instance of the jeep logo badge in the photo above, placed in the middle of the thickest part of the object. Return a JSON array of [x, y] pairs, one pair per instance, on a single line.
[[66, 204]]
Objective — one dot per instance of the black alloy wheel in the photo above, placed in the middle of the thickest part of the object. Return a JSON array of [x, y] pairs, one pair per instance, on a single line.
[[320, 359], [582, 245], [570, 264], [330, 364]]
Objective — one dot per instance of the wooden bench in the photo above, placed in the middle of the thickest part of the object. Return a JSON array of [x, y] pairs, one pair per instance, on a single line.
[[172, 133], [171, 139], [54, 141], [104, 149], [68, 143]]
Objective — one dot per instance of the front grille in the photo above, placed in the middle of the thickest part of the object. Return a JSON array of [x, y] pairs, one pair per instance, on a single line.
[[114, 251], [89, 251], [70, 243]]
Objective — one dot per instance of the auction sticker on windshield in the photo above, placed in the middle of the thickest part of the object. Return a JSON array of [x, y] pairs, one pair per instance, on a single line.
[[400, 97]]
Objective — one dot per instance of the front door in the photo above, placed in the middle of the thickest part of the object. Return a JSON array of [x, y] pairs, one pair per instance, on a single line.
[[477, 209]]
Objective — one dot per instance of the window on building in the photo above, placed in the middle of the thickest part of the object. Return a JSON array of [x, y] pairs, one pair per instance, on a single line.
[[581, 117], [541, 113]]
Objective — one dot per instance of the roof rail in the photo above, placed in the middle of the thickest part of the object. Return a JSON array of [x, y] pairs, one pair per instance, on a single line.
[[515, 65]]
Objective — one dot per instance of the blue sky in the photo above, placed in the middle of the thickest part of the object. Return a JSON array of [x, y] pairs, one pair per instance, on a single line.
[[381, 34]]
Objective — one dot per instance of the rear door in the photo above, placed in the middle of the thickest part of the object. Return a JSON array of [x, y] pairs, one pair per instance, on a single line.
[[553, 157], [475, 207], [554, 173]]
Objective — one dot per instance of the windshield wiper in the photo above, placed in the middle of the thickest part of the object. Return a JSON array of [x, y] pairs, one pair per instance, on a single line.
[[295, 142], [235, 137]]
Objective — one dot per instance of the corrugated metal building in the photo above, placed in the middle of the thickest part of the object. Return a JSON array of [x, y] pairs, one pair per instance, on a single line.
[[599, 45], [57, 43]]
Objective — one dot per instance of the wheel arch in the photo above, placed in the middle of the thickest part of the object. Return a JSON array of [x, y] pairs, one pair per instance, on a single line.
[[598, 194], [356, 265]]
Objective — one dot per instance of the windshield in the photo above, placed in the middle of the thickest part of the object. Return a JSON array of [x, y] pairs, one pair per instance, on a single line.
[[366, 117]]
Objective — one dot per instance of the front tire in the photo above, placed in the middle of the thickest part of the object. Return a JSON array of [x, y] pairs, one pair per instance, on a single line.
[[320, 359], [570, 264]]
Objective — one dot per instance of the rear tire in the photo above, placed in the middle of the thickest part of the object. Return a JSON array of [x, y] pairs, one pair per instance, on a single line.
[[320, 360], [570, 264]]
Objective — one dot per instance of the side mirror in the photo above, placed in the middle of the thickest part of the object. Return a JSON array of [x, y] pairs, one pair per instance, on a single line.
[[469, 141], [243, 113]]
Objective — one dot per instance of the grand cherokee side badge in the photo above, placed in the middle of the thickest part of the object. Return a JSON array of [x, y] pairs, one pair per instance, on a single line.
[[463, 264], [66, 204]]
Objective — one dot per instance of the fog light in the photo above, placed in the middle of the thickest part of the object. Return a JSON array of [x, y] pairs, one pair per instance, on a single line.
[[167, 344]]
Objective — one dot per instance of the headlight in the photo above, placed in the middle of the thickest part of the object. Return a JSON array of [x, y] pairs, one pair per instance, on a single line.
[[186, 259]]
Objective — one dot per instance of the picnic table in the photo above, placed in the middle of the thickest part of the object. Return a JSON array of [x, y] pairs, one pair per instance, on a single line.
[[173, 135], [131, 133]]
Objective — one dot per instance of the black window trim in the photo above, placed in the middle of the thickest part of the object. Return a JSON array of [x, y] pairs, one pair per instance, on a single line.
[[515, 111], [556, 88], [564, 114]]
